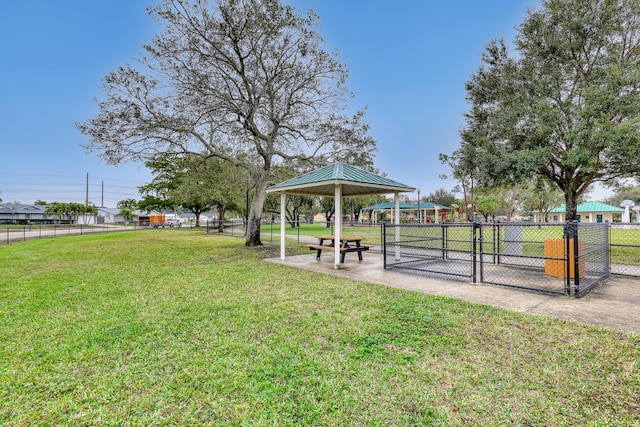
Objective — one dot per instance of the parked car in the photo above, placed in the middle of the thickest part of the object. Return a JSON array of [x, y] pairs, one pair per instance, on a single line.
[[174, 222]]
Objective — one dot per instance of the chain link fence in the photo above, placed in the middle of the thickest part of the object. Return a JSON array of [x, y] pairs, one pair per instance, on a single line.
[[436, 250], [235, 228], [625, 249], [557, 259], [22, 233]]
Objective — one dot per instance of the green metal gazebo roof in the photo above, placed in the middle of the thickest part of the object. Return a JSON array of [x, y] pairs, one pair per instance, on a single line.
[[354, 181]]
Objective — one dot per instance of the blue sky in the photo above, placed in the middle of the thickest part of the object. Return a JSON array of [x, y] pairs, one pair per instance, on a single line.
[[408, 63]]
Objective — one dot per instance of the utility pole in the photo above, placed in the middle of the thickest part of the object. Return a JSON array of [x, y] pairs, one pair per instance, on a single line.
[[86, 199], [102, 197]]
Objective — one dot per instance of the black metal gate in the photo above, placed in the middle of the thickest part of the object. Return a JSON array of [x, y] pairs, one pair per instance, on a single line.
[[569, 259]]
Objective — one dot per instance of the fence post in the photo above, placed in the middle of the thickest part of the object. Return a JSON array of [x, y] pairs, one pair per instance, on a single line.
[[496, 244], [576, 259], [481, 240], [473, 252], [383, 239], [608, 243], [568, 234], [24, 233]]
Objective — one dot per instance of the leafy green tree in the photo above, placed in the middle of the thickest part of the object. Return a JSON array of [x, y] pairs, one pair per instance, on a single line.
[[464, 171], [510, 199], [87, 212], [56, 210], [566, 107], [328, 206], [541, 197], [355, 205], [127, 214], [487, 205], [195, 182], [127, 204], [624, 192], [246, 81], [296, 205], [69, 210], [440, 197], [151, 202]]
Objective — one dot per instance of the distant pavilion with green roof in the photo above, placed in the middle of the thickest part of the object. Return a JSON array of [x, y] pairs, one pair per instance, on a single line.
[[429, 211], [587, 212]]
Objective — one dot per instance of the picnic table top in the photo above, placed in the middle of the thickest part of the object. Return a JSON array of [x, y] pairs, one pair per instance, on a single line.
[[342, 238]]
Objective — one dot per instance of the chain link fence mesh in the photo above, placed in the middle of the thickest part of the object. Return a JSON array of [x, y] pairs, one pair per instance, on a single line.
[[569, 259], [625, 249]]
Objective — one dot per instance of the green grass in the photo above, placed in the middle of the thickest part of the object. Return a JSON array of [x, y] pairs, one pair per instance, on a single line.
[[183, 328]]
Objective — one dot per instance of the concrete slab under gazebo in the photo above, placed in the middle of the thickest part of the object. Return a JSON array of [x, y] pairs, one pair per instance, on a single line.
[[337, 180]]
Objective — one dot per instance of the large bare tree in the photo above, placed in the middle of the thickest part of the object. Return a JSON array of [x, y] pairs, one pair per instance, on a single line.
[[248, 81]]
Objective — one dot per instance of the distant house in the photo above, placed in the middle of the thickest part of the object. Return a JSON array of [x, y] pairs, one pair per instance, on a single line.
[[190, 218], [112, 216], [17, 213], [319, 217], [586, 212]]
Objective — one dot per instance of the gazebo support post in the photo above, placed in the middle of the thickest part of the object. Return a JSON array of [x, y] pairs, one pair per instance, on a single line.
[[396, 221], [283, 204], [338, 227]]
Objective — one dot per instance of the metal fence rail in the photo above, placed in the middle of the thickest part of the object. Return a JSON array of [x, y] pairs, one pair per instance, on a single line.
[[569, 259]]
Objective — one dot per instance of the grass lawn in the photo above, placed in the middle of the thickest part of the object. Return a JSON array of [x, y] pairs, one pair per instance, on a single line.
[[183, 328]]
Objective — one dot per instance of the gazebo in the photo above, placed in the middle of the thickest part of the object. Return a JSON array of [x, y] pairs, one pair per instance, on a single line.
[[336, 180]]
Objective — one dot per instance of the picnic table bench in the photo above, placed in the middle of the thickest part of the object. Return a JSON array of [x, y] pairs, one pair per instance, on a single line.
[[347, 244]]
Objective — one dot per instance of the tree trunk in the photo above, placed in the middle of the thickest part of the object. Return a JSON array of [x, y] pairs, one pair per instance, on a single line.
[[255, 214], [571, 204], [221, 211], [328, 215], [351, 215]]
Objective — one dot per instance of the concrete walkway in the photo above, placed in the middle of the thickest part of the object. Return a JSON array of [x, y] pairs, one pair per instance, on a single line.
[[614, 304]]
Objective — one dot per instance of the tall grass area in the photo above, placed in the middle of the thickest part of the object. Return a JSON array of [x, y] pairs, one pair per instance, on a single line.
[[175, 327]]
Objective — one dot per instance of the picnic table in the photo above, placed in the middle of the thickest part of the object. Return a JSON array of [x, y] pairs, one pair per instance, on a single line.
[[347, 244]]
